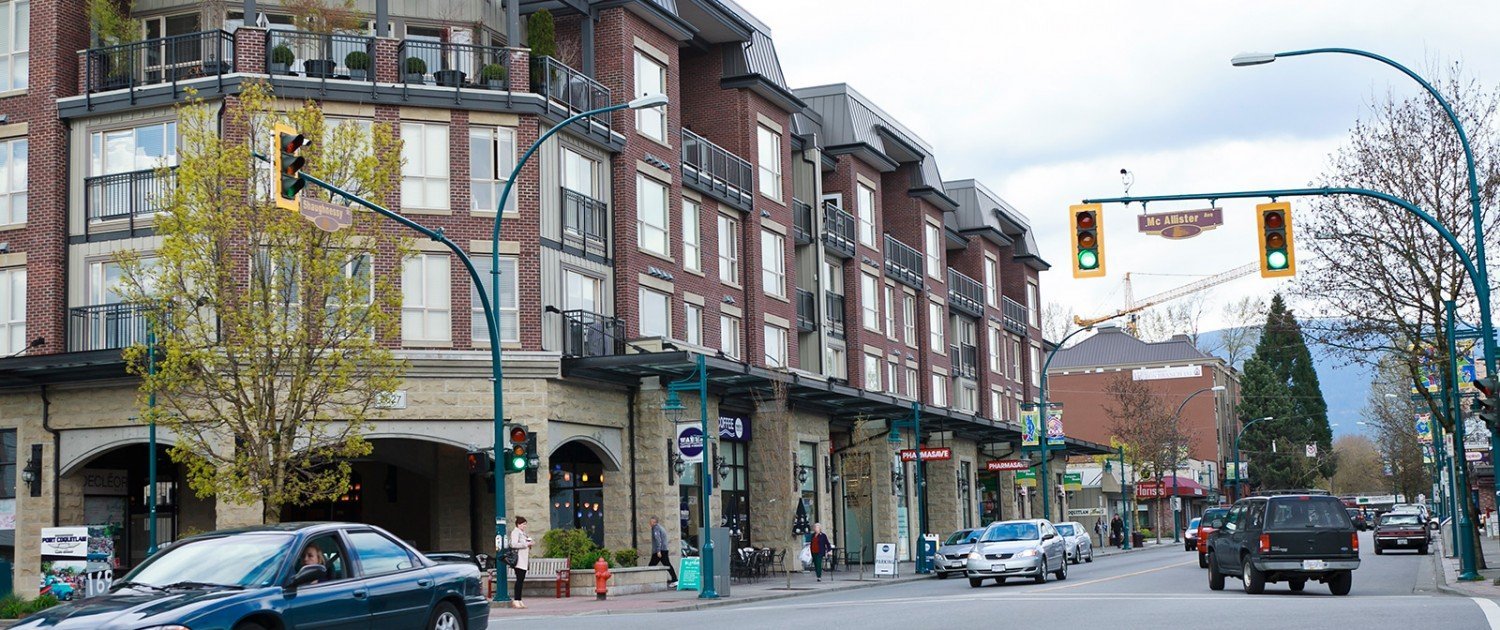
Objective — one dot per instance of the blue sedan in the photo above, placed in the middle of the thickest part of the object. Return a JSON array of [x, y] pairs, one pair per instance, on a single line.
[[302, 576]]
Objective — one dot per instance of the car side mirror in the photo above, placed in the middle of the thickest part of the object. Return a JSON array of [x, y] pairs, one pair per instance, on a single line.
[[1049, 536], [307, 575]]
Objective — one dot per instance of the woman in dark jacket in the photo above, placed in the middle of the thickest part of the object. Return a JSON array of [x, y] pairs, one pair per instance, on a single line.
[[820, 546]]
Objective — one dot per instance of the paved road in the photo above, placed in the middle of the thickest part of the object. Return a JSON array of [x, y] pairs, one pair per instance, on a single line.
[[1156, 588]]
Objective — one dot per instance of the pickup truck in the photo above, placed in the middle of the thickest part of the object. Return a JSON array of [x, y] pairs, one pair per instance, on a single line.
[[1285, 538]]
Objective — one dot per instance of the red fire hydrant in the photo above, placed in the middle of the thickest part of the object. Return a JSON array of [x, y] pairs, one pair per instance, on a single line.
[[601, 578]]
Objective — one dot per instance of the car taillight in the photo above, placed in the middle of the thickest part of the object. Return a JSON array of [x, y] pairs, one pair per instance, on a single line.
[[1265, 543], [1355, 541]]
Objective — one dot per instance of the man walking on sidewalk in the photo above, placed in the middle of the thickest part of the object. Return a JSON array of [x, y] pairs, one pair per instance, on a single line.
[[659, 551]]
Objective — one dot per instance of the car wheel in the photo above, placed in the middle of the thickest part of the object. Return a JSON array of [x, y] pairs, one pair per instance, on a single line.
[[1203, 561], [445, 617], [1297, 585], [1000, 580], [942, 575], [1422, 550], [1041, 572], [249, 625], [975, 582], [1062, 572], [1379, 550], [1253, 580], [1091, 555], [1340, 583], [1215, 578]]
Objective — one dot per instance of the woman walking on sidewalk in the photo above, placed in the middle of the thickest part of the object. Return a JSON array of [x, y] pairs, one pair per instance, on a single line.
[[521, 542], [820, 546]]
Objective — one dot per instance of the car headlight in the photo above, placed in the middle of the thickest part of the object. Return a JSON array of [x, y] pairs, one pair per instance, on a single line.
[[975, 555], [1029, 553]]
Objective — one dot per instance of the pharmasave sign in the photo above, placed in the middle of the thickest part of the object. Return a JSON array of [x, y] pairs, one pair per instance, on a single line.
[[1007, 464], [928, 454]]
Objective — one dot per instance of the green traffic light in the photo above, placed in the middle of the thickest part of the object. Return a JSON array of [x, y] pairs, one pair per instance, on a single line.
[[1276, 260], [1088, 259], [518, 463]]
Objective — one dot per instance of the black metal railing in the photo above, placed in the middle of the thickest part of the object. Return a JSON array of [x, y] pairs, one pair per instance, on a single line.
[[903, 263], [712, 169], [838, 230], [585, 223], [802, 228], [1015, 315], [568, 89], [965, 360], [106, 326], [159, 60], [965, 294], [126, 196], [833, 314], [321, 56], [588, 334], [455, 65], [807, 312]]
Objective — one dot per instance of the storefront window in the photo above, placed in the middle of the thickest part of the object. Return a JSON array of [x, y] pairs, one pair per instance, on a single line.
[[734, 492], [577, 484], [807, 460], [965, 499]]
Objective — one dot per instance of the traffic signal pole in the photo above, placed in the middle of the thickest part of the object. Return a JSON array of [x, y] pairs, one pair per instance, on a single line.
[[1464, 531]]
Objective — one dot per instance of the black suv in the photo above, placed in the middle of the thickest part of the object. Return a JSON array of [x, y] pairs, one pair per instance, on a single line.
[[1285, 538]]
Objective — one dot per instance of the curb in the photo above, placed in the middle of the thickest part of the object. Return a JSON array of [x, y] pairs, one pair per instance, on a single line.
[[1442, 575], [735, 601]]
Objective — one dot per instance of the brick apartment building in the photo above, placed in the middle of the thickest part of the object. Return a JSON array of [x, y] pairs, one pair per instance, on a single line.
[[794, 236]]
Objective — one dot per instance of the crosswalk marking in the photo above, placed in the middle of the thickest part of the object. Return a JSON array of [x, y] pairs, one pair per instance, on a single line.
[[1491, 611]]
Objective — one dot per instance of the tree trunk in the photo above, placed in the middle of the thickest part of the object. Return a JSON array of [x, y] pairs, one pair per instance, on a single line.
[[269, 514]]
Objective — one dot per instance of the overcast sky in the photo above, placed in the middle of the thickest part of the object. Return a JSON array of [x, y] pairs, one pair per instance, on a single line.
[[1045, 102]]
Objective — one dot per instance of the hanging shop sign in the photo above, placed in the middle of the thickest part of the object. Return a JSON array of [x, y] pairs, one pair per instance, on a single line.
[[997, 465], [734, 428], [928, 454], [690, 442]]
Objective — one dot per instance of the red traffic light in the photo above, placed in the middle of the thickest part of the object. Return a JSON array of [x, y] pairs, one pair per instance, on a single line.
[[1274, 220], [1086, 220], [518, 436]]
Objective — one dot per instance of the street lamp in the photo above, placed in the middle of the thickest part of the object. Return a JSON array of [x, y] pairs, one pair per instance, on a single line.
[[673, 409], [1239, 466], [1176, 496], [1042, 406]]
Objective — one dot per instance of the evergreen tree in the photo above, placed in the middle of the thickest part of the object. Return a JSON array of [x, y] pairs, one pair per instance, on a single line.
[[1280, 382]]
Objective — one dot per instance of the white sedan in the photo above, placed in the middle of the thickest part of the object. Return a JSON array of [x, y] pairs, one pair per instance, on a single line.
[[1079, 546]]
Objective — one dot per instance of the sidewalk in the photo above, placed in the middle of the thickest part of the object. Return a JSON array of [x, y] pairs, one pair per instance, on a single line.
[[1447, 571]]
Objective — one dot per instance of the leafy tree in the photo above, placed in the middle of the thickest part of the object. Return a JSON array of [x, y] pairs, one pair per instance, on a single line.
[[1140, 421], [269, 355], [1361, 468], [1280, 382], [1391, 412]]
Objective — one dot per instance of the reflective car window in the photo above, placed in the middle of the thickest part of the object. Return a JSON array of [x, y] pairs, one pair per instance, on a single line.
[[1400, 519], [1065, 529], [245, 560], [962, 536], [1301, 513], [1012, 531], [378, 554]]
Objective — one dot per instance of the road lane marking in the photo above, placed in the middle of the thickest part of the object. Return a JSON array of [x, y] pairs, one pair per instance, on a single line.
[[1491, 611], [1112, 577]]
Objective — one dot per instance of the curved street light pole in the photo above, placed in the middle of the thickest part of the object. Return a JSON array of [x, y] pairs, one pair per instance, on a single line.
[[1239, 468], [1042, 422], [1176, 450]]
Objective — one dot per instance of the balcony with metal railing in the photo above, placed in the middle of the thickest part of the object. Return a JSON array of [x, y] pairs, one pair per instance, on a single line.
[[903, 263], [568, 91], [833, 314], [126, 196], [588, 334], [321, 56], [802, 229], [714, 171], [585, 223], [106, 326], [1015, 315], [453, 65], [160, 60], [965, 294], [965, 360], [807, 312], [838, 231]]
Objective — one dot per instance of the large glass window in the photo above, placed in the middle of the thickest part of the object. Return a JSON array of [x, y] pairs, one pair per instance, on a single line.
[[508, 309], [965, 495], [933, 246], [992, 346], [838, 362], [769, 161], [1036, 365], [15, 44], [650, 78], [872, 372], [909, 320], [580, 173], [864, 208], [729, 336], [580, 292], [911, 382], [656, 313], [773, 263], [692, 236], [424, 175], [890, 311], [939, 389], [807, 462], [869, 302], [492, 156], [1033, 309], [775, 346], [729, 250], [651, 208], [8, 464], [135, 149], [12, 311], [991, 283], [935, 325], [735, 492], [13, 186], [694, 317], [577, 490], [426, 304]]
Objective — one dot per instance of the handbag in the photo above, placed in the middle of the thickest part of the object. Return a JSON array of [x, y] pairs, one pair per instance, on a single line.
[[510, 557]]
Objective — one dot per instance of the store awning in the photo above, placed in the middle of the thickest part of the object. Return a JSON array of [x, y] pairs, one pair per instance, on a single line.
[[1169, 486]]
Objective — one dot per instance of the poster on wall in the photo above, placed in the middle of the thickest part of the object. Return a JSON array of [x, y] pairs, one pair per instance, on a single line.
[[76, 562]]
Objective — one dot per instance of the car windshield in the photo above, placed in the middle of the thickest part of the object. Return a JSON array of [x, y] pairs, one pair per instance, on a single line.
[[246, 560], [1401, 519], [1193, 524], [962, 536], [1308, 513], [1214, 518], [1012, 531], [1065, 529]]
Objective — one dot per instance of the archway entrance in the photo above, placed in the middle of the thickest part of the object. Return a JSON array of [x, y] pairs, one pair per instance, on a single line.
[[577, 487], [115, 488]]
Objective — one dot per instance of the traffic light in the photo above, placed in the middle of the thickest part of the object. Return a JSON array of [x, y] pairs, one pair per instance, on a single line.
[[287, 183], [479, 462], [515, 457], [1488, 404], [532, 461], [1088, 240], [1277, 256]]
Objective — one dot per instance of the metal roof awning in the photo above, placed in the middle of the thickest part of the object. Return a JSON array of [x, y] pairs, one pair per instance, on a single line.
[[69, 367], [841, 403]]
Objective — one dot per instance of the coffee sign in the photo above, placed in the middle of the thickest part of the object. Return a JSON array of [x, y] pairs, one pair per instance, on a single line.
[[690, 443]]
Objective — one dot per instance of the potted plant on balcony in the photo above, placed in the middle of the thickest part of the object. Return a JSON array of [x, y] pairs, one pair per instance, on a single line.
[[493, 76], [415, 70], [358, 63], [448, 77], [324, 17], [282, 59], [541, 35], [113, 28]]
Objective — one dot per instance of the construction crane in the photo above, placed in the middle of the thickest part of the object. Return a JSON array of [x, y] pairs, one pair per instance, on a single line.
[[1132, 307]]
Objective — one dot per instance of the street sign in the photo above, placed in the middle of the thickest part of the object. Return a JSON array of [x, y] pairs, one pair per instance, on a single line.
[[1312, 450], [1031, 430], [329, 217], [1181, 224], [1007, 464], [928, 454]]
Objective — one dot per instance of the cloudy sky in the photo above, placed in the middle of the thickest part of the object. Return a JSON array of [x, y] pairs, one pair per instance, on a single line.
[[1045, 102]]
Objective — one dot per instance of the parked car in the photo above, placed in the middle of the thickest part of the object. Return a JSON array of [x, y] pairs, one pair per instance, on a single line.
[[1190, 535], [1029, 548], [1076, 542], [291, 575], [1212, 519], [1359, 519], [953, 554], [1402, 529], [1285, 538]]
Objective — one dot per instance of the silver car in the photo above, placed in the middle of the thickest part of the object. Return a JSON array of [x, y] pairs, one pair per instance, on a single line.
[[1079, 546], [953, 555], [1030, 548]]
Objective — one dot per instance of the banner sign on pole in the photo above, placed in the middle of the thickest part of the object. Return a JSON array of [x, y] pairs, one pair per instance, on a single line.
[[690, 442], [1430, 367], [928, 454], [997, 465], [1026, 478], [1232, 470], [1031, 430], [1055, 435], [1073, 481], [1424, 428]]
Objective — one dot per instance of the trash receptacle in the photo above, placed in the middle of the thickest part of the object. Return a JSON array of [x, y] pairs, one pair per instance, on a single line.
[[926, 553]]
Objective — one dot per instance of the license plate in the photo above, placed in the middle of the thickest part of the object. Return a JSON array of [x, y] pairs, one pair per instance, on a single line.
[[997, 567], [1400, 541], [956, 563], [1314, 565]]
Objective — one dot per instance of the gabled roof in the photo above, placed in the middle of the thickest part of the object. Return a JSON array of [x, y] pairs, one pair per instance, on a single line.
[[1112, 346], [981, 211], [852, 124]]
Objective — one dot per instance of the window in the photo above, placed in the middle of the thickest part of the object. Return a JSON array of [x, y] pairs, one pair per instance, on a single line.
[[890, 311], [892, 378], [838, 363], [426, 309], [331, 554], [694, 316], [864, 208], [872, 372], [991, 284], [651, 208], [579, 173], [650, 78], [835, 276], [656, 313], [992, 345], [935, 327], [692, 236], [13, 186], [379, 555], [134, 149], [729, 250], [8, 464], [424, 176], [508, 309], [769, 154], [12, 311], [492, 156], [933, 246], [1033, 310], [1036, 365], [15, 43], [911, 382], [939, 389], [580, 292], [773, 263], [968, 397], [869, 305], [729, 336], [909, 319], [997, 407], [1015, 359], [775, 346]]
